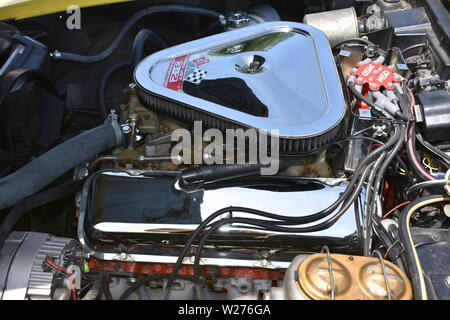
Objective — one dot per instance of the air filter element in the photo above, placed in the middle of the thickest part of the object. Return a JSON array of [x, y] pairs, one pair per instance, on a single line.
[[275, 75]]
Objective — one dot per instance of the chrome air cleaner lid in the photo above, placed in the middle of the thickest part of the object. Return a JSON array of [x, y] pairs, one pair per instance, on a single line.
[[275, 75]]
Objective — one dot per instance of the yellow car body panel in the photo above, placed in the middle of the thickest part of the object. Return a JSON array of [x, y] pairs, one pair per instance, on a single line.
[[22, 9]]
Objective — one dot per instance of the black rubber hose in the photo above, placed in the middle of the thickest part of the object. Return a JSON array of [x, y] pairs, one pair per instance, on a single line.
[[367, 204], [142, 37], [413, 157], [386, 162], [132, 21], [438, 153], [41, 171], [103, 109], [105, 287], [412, 258], [219, 172], [424, 185], [419, 45], [350, 40], [411, 150], [35, 201], [379, 175]]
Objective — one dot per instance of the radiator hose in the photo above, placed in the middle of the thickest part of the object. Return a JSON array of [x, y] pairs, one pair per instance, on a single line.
[[56, 55], [44, 169]]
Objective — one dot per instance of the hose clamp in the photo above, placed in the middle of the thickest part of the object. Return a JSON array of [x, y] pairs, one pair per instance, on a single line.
[[114, 122], [55, 55]]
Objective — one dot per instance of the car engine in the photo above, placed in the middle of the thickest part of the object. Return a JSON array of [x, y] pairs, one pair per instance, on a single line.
[[271, 150]]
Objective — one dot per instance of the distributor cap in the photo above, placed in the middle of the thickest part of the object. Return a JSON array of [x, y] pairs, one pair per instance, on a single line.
[[375, 75]]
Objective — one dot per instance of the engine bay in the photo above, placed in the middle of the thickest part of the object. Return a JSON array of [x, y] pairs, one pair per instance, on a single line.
[[251, 150]]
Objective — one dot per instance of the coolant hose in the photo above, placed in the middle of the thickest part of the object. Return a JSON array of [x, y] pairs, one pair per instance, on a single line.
[[44, 169], [56, 55], [139, 44]]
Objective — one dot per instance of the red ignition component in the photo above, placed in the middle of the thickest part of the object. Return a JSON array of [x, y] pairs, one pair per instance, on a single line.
[[188, 270], [375, 75]]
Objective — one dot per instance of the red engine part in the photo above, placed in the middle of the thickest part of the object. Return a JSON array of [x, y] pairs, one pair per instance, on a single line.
[[375, 75], [187, 270]]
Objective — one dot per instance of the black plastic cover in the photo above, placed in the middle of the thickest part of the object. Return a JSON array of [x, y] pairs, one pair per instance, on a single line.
[[31, 115], [436, 115], [25, 53]]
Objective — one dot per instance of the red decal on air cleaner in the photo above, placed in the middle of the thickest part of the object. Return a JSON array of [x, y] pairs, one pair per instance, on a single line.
[[199, 61], [175, 73]]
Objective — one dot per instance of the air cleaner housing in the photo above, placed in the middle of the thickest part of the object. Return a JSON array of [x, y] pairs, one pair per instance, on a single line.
[[275, 75]]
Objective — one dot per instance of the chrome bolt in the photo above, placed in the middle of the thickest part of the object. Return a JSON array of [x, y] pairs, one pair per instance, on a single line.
[[123, 256], [126, 128], [264, 262]]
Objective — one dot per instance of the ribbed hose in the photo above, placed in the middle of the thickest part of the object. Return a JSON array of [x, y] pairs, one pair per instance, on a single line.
[[43, 170], [56, 55]]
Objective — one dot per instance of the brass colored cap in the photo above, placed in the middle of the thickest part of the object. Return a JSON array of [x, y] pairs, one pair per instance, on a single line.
[[355, 278]]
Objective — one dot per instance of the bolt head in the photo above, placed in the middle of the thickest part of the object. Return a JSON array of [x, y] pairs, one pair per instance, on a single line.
[[447, 210], [123, 256]]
